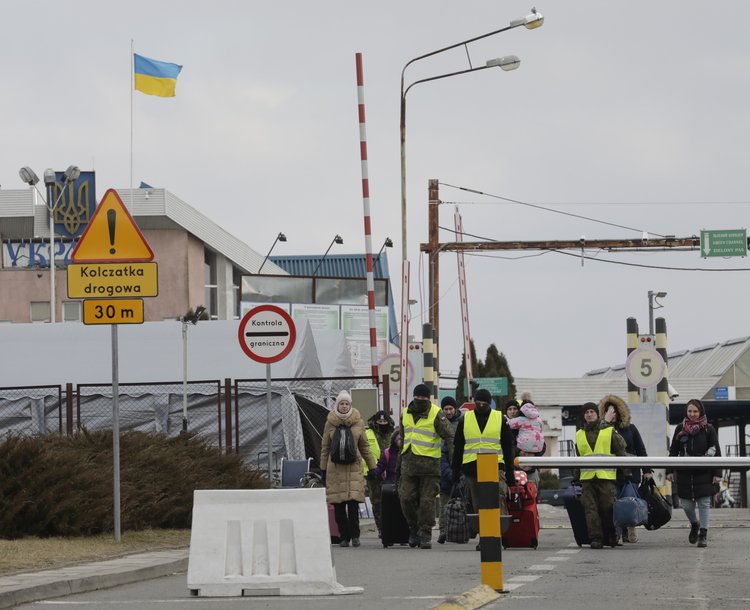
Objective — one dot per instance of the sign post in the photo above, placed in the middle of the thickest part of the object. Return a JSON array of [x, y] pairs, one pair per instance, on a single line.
[[112, 259], [267, 334]]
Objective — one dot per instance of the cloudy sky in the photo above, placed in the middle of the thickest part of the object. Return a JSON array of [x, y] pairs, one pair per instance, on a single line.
[[629, 112]]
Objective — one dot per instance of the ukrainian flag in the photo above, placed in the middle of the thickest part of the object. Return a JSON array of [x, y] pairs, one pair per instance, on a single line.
[[155, 77]]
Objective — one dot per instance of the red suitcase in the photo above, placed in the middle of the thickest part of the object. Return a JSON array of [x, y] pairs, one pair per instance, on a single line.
[[332, 526], [524, 522]]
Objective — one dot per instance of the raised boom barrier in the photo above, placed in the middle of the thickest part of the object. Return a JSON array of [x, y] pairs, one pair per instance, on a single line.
[[631, 461]]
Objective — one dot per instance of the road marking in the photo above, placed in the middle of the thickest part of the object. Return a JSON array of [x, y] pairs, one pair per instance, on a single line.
[[569, 551], [512, 586], [525, 578], [541, 566], [556, 558]]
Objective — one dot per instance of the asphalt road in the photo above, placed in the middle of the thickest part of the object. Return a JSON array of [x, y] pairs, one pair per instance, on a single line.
[[661, 571]]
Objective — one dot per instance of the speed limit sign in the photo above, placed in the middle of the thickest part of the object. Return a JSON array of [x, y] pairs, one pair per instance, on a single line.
[[645, 368]]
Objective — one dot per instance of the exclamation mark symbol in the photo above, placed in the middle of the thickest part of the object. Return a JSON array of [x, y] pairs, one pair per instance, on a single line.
[[111, 220]]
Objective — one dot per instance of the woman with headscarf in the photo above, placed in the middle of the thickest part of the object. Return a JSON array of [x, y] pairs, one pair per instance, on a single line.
[[695, 486], [345, 483]]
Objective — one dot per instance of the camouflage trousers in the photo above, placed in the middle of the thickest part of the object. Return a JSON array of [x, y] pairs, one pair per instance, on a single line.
[[598, 499], [472, 484], [417, 494], [374, 491]]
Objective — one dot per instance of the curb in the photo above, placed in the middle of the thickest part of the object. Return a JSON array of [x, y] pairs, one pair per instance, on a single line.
[[470, 600], [25, 593]]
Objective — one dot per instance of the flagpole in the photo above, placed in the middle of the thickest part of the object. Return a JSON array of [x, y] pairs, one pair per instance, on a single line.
[[132, 86]]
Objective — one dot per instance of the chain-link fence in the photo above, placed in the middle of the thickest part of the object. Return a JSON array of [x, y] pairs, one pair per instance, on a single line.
[[31, 410], [153, 407], [297, 415]]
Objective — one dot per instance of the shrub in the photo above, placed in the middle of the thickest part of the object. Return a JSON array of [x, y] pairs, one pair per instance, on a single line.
[[548, 480], [63, 486]]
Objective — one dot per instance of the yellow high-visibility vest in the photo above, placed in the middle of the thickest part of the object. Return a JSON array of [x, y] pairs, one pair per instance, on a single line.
[[374, 448], [603, 448], [482, 441], [421, 436]]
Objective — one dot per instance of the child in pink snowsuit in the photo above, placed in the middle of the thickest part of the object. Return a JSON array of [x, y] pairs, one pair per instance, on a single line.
[[531, 430]]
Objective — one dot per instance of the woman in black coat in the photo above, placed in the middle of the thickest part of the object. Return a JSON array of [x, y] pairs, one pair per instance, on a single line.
[[695, 486]]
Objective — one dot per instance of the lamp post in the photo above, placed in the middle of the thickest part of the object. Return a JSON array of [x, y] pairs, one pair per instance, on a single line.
[[336, 240], [279, 237], [388, 243], [652, 296], [192, 317], [29, 177], [531, 21]]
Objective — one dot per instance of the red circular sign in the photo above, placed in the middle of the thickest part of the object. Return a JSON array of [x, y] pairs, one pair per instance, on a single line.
[[267, 334]]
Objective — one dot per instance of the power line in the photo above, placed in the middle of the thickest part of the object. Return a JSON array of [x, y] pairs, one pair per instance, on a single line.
[[540, 207]]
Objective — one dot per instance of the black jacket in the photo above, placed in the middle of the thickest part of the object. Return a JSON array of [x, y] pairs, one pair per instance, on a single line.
[[507, 442], [694, 483]]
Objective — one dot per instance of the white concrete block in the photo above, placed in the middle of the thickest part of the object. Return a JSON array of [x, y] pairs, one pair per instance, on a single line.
[[261, 542]]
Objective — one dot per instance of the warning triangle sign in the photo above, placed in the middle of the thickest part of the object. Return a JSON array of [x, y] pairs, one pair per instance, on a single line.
[[112, 235]]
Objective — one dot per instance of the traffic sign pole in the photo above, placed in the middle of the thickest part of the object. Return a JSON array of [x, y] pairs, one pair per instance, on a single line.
[[267, 334], [116, 431], [269, 427]]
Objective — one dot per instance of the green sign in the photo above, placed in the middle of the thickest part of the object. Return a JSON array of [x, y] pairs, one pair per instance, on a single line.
[[724, 243], [497, 386]]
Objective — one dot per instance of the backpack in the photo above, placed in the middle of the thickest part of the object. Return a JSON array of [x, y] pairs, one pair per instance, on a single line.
[[343, 449]]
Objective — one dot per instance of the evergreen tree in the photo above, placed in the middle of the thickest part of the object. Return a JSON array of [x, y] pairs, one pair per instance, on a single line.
[[496, 365]]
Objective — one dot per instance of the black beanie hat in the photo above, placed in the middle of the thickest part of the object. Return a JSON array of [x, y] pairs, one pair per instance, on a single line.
[[483, 395], [421, 390], [511, 403], [590, 405], [448, 400]]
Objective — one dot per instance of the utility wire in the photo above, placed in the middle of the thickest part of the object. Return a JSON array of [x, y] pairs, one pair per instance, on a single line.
[[540, 207], [603, 260], [603, 203]]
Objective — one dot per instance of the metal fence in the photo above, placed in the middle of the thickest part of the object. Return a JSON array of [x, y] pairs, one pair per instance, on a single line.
[[152, 407], [31, 410]]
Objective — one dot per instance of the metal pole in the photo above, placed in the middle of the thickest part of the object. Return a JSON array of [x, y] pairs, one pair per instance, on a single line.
[[651, 312], [52, 298], [268, 421], [402, 132], [634, 462], [184, 376], [116, 432]]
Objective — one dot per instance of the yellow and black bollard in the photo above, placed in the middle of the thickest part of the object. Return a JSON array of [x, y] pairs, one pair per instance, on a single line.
[[490, 543]]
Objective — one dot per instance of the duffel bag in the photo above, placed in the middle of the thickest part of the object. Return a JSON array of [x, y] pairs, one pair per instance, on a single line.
[[456, 524], [659, 510], [629, 509]]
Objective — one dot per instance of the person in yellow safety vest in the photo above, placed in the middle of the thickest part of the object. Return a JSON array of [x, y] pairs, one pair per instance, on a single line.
[[484, 430], [379, 431], [599, 484], [423, 425]]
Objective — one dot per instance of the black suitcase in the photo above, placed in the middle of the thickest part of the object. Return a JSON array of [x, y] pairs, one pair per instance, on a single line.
[[394, 529], [576, 515]]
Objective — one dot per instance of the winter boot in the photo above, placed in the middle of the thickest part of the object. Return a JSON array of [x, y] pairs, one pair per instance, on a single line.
[[632, 537], [413, 540], [693, 537], [702, 538]]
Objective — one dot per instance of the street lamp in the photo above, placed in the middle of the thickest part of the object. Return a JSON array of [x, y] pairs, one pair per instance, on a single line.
[[191, 317], [388, 243], [279, 237], [652, 296], [336, 240], [530, 21], [29, 177]]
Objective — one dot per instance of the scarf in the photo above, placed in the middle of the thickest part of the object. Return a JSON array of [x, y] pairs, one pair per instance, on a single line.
[[691, 428], [346, 415]]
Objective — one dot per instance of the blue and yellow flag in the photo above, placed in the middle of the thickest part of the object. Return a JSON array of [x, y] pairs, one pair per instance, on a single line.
[[155, 77]]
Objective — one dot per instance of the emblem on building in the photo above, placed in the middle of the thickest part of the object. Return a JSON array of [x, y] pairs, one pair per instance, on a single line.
[[77, 202]]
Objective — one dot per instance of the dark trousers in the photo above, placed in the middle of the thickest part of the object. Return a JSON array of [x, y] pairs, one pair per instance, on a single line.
[[347, 518]]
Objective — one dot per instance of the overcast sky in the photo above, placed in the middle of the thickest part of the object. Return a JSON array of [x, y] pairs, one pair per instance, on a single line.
[[628, 111]]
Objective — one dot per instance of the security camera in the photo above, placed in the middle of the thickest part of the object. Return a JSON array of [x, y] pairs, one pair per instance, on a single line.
[[671, 392]]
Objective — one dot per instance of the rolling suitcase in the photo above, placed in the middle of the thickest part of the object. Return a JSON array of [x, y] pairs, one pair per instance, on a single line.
[[333, 527], [394, 529], [524, 517], [577, 517]]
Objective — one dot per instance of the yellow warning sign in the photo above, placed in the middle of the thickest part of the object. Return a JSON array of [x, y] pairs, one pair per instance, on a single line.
[[113, 311], [111, 235], [112, 280]]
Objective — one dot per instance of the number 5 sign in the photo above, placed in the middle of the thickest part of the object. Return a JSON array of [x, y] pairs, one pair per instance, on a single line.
[[645, 368]]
